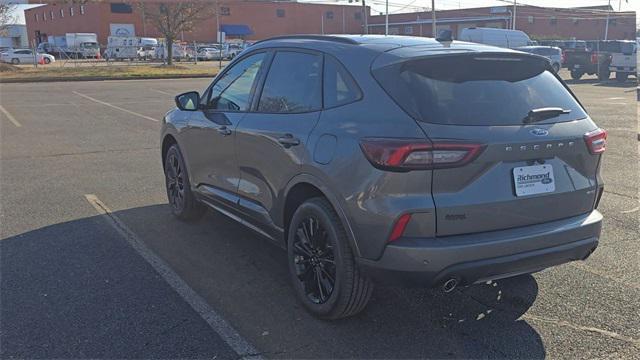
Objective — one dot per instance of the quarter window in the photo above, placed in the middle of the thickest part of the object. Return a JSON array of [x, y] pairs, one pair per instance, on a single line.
[[339, 86], [293, 84], [233, 90]]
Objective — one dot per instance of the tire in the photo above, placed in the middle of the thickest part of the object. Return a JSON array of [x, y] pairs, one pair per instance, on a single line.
[[15, 61], [47, 60], [604, 75], [621, 77], [182, 201], [556, 68], [317, 251], [576, 75]]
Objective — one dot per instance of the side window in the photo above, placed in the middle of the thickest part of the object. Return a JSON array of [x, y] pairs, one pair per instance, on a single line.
[[233, 90], [339, 86], [293, 84]]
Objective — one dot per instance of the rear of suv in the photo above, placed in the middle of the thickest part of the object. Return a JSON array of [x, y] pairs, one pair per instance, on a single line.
[[390, 159]]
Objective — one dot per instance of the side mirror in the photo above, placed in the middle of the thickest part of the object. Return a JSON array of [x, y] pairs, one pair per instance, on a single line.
[[188, 101]]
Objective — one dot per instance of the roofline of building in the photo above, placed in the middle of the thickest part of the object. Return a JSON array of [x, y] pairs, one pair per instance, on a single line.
[[441, 21]]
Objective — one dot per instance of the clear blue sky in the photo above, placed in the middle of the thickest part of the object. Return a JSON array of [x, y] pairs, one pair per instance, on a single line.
[[396, 6]]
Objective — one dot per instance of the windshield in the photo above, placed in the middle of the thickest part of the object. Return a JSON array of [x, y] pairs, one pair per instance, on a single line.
[[476, 90]]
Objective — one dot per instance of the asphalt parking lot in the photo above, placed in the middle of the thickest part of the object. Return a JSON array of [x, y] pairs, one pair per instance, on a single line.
[[93, 265]]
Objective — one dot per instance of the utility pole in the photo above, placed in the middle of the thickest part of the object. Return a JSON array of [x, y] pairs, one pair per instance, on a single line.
[[606, 26], [433, 19], [364, 14], [513, 21], [386, 19]]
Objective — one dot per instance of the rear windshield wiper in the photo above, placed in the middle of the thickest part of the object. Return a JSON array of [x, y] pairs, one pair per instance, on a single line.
[[540, 114]]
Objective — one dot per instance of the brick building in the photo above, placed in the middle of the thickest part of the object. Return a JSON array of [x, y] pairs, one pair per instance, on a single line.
[[249, 19], [259, 19], [539, 23]]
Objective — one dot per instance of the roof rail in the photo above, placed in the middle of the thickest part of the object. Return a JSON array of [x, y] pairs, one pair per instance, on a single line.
[[339, 39]]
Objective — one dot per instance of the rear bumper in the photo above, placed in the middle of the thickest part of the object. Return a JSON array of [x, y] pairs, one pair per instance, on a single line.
[[475, 258]]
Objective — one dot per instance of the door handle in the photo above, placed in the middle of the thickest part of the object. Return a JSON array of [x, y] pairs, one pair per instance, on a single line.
[[224, 131], [288, 141]]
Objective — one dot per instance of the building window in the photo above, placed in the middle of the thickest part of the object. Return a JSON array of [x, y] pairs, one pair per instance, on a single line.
[[61, 13], [394, 30], [530, 19], [121, 8], [81, 9], [51, 14], [44, 16], [71, 11], [575, 21], [280, 12], [553, 20], [357, 16], [329, 15], [408, 30], [37, 17], [225, 11], [613, 22]]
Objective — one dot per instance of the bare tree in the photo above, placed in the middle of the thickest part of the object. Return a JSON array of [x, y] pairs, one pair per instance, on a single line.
[[172, 18], [6, 16]]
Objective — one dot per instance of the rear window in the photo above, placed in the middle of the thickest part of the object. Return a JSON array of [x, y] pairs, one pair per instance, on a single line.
[[476, 89]]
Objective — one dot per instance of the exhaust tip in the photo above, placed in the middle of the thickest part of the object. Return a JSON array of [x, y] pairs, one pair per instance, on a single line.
[[449, 285]]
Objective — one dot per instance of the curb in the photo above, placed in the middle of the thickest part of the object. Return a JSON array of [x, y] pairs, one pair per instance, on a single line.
[[102, 78]]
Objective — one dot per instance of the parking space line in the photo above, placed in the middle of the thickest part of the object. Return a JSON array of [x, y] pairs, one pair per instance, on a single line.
[[241, 346], [9, 116], [114, 106], [161, 92]]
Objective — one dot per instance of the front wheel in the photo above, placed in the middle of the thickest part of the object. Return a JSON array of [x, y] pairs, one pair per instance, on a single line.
[[556, 68], [621, 77], [325, 276], [15, 61], [183, 203], [576, 74]]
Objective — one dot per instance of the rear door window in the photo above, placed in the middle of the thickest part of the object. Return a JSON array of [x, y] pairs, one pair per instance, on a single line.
[[293, 84], [476, 89]]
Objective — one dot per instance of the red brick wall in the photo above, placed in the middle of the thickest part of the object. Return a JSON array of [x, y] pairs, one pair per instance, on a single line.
[[261, 17]]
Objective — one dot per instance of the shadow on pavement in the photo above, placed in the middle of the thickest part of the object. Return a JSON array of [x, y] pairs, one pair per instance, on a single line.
[[607, 83], [77, 290]]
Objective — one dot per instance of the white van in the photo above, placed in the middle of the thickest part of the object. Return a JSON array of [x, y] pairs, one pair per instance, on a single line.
[[495, 37]]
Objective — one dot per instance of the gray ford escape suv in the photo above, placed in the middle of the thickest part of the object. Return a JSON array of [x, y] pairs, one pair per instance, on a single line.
[[397, 159]]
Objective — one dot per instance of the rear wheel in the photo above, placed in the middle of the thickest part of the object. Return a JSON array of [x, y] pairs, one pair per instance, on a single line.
[[621, 77], [47, 60], [576, 74], [604, 75], [183, 203], [322, 267]]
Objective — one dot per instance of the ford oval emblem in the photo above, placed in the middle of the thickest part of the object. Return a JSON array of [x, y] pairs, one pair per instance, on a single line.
[[539, 132]]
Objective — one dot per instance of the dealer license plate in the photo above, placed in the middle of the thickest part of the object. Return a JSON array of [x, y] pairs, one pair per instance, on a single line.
[[532, 180]]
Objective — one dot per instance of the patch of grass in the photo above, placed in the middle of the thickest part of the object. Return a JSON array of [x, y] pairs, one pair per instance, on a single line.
[[8, 68], [106, 71]]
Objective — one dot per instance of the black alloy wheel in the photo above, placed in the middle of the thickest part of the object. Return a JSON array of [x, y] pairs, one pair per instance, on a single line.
[[183, 202], [314, 260]]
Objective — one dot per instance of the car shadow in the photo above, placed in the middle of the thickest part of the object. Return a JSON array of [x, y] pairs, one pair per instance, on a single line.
[[607, 83], [245, 278]]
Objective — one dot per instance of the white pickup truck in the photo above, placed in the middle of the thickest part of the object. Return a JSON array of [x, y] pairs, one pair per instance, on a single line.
[[624, 63]]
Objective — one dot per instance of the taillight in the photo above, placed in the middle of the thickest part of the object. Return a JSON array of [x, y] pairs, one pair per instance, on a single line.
[[596, 141], [398, 228], [564, 57], [416, 154], [594, 58]]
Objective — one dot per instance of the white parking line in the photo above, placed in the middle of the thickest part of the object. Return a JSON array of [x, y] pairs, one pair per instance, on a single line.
[[9, 116], [241, 346], [115, 107], [162, 92]]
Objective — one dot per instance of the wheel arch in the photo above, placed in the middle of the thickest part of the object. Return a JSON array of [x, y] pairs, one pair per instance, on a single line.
[[306, 186]]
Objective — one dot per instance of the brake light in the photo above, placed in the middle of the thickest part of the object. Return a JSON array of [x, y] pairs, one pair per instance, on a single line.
[[594, 58], [563, 57], [398, 228], [416, 154], [596, 141]]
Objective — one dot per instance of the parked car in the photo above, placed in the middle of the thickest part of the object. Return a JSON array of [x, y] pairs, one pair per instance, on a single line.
[[624, 62], [554, 54], [210, 53], [371, 159], [25, 56], [587, 61]]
